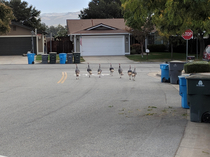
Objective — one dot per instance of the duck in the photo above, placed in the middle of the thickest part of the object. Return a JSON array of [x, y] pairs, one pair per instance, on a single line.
[[134, 73], [77, 72], [111, 69], [89, 70], [120, 71], [99, 71], [130, 73]]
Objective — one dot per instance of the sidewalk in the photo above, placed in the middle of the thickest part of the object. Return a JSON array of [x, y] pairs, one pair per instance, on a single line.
[[102, 59], [196, 138], [14, 59]]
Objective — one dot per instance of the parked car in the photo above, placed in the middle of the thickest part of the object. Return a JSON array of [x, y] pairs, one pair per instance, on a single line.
[[206, 53]]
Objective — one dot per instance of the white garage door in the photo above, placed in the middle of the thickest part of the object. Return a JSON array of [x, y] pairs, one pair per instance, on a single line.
[[102, 45]]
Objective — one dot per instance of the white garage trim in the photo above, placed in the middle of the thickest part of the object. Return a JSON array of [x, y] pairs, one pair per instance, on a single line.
[[102, 45]]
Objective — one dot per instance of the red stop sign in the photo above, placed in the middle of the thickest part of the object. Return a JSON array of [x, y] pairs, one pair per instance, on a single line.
[[188, 34]]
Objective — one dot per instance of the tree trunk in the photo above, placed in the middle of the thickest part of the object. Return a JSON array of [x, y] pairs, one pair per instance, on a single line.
[[201, 45], [172, 51], [142, 49]]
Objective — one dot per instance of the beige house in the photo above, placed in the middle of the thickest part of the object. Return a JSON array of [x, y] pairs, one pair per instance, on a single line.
[[20, 40], [99, 37]]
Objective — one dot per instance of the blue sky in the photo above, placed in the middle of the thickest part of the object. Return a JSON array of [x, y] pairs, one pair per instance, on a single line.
[[58, 6]]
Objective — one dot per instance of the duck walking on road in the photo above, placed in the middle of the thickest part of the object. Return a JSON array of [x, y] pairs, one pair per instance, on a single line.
[[130, 73], [111, 69], [99, 71], [120, 71], [134, 73], [77, 72], [89, 70]]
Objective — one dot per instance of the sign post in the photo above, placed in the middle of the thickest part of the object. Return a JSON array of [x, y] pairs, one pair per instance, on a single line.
[[187, 35]]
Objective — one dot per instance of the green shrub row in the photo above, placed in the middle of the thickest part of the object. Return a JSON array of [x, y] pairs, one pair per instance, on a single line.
[[197, 67], [157, 48]]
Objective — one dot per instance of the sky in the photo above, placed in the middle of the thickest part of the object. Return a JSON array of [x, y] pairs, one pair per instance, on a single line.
[[58, 6]]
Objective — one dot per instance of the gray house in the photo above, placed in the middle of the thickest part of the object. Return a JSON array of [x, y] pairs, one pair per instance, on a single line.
[[99, 37]]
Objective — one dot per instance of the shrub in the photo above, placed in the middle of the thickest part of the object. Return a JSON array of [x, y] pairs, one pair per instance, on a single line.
[[133, 51], [156, 48], [179, 48], [135, 48], [197, 67]]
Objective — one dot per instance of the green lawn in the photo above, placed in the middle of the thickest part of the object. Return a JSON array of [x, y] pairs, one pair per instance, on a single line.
[[158, 57]]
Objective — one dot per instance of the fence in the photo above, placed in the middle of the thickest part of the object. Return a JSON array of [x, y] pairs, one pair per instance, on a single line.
[[60, 45]]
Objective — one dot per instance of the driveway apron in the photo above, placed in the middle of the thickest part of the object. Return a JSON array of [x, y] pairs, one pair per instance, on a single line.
[[107, 59], [13, 60]]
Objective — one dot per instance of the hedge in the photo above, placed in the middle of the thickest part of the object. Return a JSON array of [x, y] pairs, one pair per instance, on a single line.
[[157, 48], [197, 67]]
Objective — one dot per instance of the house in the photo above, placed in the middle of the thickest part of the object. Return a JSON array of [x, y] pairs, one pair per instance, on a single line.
[[99, 37], [20, 40]]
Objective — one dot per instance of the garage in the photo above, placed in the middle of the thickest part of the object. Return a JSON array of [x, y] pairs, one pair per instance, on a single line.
[[15, 45], [99, 37], [102, 45]]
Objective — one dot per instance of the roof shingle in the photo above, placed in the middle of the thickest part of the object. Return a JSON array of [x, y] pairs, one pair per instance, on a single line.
[[78, 26]]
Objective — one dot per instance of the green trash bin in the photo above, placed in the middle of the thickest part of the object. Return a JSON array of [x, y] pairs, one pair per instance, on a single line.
[[69, 58], [76, 57], [53, 57], [198, 97], [175, 70], [45, 59]]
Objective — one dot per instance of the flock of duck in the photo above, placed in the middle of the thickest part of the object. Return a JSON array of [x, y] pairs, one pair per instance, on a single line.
[[131, 74]]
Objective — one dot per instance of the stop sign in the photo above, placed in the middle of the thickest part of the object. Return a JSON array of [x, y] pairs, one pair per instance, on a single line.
[[188, 34]]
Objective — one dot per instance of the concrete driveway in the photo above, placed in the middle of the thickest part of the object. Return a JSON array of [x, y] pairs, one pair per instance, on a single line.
[[14, 59], [99, 59], [108, 59]]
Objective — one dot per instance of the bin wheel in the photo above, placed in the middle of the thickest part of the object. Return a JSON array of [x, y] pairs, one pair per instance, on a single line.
[[164, 79], [206, 117]]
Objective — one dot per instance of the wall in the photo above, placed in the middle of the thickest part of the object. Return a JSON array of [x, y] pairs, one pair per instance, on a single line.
[[16, 30]]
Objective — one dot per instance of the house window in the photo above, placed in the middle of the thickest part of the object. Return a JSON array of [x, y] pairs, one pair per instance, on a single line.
[[14, 28]]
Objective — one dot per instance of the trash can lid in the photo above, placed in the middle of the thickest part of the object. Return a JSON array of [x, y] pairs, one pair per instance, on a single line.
[[184, 75], [176, 61], [203, 76], [53, 53]]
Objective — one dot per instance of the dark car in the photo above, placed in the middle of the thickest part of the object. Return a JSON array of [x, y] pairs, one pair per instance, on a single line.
[[206, 53]]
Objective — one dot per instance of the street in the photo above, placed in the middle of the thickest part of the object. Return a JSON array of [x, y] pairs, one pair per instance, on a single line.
[[45, 111]]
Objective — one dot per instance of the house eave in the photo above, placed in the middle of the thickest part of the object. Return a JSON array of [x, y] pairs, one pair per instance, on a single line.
[[101, 25], [88, 34]]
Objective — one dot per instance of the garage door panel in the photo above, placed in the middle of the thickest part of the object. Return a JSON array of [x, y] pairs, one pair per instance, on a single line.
[[16, 45], [109, 45]]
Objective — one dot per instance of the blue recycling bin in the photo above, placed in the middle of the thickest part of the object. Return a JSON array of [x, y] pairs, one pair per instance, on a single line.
[[30, 58], [183, 91], [164, 72], [62, 57]]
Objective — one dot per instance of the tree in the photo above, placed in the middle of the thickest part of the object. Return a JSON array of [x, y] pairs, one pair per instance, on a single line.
[[102, 9], [6, 16], [24, 14], [173, 17], [140, 26], [58, 31]]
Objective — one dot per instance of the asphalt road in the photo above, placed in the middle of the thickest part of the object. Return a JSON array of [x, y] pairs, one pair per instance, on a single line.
[[46, 112]]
